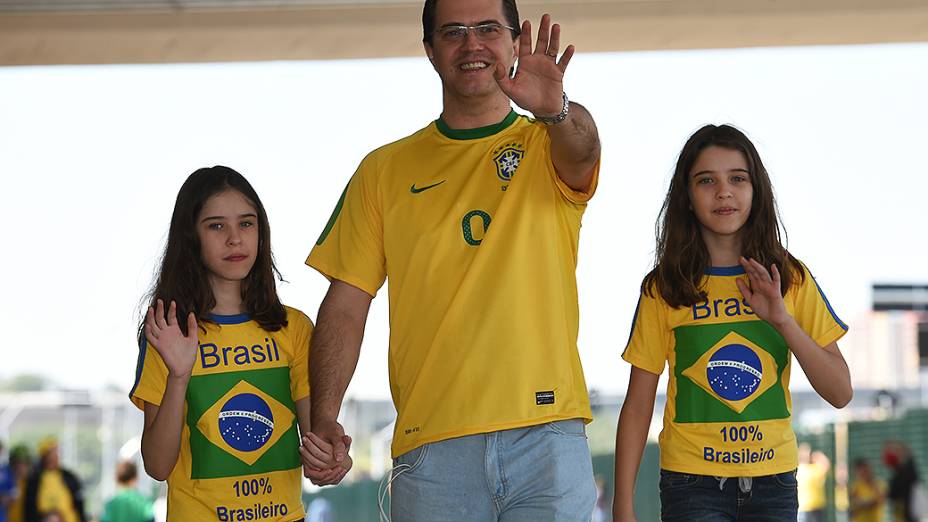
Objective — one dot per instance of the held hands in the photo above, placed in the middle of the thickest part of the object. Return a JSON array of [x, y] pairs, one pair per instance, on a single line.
[[538, 84], [763, 294], [176, 349], [319, 464]]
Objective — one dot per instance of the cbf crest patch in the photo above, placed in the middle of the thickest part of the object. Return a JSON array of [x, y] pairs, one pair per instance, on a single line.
[[507, 157]]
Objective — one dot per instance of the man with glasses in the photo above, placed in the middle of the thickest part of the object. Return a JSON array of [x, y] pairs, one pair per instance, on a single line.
[[475, 221]]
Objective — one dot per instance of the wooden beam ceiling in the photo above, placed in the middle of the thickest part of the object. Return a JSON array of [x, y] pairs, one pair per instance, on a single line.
[[375, 29]]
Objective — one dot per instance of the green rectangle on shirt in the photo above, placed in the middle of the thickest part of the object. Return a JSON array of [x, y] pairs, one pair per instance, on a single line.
[[696, 405], [209, 460]]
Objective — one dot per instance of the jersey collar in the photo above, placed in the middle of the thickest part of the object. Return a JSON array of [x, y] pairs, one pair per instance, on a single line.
[[725, 270], [479, 132], [230, 319]]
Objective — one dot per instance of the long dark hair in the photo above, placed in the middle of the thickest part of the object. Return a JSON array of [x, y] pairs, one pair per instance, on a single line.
[[681, 258], [183, 277]]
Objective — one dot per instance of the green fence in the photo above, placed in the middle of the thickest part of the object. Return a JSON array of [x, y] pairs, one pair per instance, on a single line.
[[866, 439], [647, 496], [825, 442], [352, 502]]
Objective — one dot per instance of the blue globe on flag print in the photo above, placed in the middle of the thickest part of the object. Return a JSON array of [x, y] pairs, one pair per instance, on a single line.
[[246, 422], [734, 372]]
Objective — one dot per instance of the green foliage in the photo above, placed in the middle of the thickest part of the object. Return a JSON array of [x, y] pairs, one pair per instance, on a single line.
[[25, 382]]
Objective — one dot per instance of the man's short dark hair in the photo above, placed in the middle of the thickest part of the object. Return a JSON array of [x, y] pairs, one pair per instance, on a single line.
[[126, 472], [510, 11]]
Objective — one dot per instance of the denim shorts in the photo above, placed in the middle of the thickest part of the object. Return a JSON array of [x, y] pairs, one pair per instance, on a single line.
[[535, 474], [698, 498]]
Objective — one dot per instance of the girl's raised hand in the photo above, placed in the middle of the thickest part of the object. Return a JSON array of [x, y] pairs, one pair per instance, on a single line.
[[176, 349], [763, 294]]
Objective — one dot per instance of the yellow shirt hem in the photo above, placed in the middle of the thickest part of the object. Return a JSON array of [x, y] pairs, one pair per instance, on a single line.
[[401, 449]]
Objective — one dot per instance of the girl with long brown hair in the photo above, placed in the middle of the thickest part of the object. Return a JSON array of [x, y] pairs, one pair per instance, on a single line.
[[726, 307], [222, 370]]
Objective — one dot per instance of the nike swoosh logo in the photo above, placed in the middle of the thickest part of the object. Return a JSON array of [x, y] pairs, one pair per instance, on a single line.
[[415, 190]]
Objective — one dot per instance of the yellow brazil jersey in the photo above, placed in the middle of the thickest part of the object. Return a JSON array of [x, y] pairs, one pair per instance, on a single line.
[[811, 491], [478, 237], [15, 513], [239, 455], [55, 497], [728, 403], [871, 494]]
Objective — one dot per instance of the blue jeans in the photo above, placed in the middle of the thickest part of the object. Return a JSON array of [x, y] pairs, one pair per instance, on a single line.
[[697, 498], [535, 474]]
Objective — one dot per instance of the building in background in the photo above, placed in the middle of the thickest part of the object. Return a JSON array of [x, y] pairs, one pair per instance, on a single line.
[[888, 347]]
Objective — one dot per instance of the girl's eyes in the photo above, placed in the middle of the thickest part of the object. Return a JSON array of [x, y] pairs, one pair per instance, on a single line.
[[706, 180], [220, 226]]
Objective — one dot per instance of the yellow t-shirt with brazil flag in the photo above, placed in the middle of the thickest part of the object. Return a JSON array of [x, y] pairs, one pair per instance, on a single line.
[[478, 237], [728, 401], [239, 454]]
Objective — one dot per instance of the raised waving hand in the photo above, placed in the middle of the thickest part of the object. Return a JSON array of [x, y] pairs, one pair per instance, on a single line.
[[763, 294], [538, 83], [178, 351]]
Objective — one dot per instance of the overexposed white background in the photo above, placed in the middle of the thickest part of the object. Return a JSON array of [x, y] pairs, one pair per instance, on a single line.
[[91, 159]]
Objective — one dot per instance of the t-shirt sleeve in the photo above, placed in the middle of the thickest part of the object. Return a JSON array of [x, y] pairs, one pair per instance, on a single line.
[[649, 341], [302, 331], [150, 376], [350, 247], [814, 313], [574, 196]]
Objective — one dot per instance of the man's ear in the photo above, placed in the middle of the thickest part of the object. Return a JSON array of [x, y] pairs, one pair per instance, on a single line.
[[515, 57], [429, 52]]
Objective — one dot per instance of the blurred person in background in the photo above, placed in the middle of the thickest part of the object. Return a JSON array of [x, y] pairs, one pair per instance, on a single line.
[[21, 466], [867, 494], [903, 477], [128, 504], [811, 476], [601, 511], [320, 510], [7, 485], [53, 491]]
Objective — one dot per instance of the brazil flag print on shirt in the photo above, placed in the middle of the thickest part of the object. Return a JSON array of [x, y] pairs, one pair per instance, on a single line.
[[728, 402], [239, 456], [237, 419]]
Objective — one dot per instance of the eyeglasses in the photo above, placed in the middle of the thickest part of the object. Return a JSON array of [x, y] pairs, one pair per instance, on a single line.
[[487, 31]]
